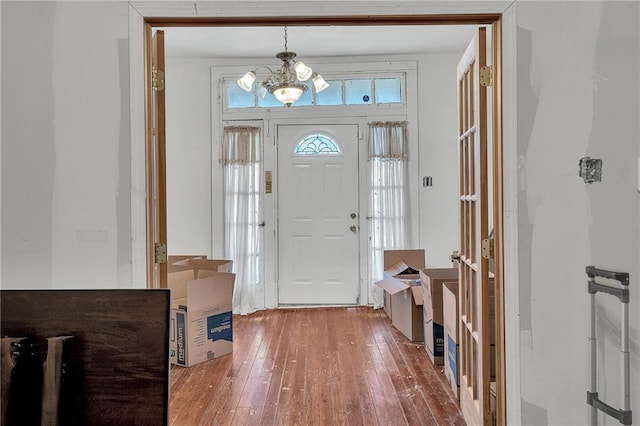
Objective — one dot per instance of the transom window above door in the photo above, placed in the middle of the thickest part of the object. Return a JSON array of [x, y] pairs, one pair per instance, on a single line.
[[347, 91], [317, 144]]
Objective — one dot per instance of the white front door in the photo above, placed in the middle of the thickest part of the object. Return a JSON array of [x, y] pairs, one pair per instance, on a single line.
[[318, 215]]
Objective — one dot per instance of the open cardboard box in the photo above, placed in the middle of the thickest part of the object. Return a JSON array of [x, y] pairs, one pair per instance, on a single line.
[[201, 315], [197, 264], [179, 258], [403, 294]]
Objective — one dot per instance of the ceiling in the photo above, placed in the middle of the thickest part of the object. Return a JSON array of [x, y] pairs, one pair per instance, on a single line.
[[308, 41]]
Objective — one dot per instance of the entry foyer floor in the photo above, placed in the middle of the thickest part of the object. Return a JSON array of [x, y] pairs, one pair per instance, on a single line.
[[316, 366]]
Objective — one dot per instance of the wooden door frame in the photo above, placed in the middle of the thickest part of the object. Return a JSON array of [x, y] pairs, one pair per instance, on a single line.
[[156, 154], [499, 15]]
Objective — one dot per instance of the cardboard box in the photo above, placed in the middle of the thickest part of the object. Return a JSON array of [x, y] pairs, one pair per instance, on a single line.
[[403, 293], [201, 316], [387, 304], [178, 258], [391, 258], [191, 263], [450, 320], [432, 280]]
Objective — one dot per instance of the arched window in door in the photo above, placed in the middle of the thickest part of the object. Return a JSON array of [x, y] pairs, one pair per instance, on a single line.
[[317, 144]]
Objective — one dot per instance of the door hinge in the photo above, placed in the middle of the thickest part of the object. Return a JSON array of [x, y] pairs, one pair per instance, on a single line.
[[160, 253], [157, 79], [486, 76], [487, 248]]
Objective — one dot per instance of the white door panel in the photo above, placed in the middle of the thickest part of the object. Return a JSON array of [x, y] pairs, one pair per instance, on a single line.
[[317, 194]]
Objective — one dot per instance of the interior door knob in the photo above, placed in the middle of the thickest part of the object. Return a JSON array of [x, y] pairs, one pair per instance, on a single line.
[[353, 228]]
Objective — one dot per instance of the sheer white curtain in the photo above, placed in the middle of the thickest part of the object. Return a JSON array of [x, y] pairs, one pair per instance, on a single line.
[[242, 240], [388, 197]]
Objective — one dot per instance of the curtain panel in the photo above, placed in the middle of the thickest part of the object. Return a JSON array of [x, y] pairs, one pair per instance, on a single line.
[[242, 147], [387, 152]]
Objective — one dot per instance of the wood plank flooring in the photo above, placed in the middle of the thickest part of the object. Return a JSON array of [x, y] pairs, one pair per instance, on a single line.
[[316, 366]]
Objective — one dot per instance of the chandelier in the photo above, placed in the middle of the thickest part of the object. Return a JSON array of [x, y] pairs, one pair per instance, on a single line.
[[286, 83]]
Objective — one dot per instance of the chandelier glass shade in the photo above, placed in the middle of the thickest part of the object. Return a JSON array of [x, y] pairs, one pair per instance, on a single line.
[[285, 83]]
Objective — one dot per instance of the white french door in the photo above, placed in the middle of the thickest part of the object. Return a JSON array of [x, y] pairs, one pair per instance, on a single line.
[[318, 214]]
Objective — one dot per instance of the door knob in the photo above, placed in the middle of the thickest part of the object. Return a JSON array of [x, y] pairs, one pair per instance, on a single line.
[[353, 228], [353, 215]]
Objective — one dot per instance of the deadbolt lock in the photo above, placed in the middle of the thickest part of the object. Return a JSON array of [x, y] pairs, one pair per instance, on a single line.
[[353, 215], [353, 228]]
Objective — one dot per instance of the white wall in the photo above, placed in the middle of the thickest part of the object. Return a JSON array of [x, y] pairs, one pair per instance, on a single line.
[[65, 145], [189, 140], [439, 234], [578, 71]]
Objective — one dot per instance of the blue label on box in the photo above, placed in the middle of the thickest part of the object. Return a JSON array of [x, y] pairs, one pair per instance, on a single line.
[[452, 357], [438, 339], [181, 332], [219, 327]]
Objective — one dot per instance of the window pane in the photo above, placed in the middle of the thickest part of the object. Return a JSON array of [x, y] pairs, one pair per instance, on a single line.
[[238, 98], [307, 97], [388, 91], [358, 92], [332, 95], [269, 101]]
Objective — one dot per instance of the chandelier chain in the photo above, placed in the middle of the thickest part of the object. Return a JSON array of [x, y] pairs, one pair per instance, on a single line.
[[285, 40]]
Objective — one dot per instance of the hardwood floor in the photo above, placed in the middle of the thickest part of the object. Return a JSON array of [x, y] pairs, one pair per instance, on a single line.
[[324, 366]]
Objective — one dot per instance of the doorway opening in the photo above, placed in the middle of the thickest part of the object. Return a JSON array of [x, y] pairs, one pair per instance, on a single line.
[[491, 20]]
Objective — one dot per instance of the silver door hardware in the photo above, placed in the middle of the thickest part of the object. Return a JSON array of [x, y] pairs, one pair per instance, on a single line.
[[160, 253], [353, 228], [353, 215], [487, 248], [157, 80], [486, 76]]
